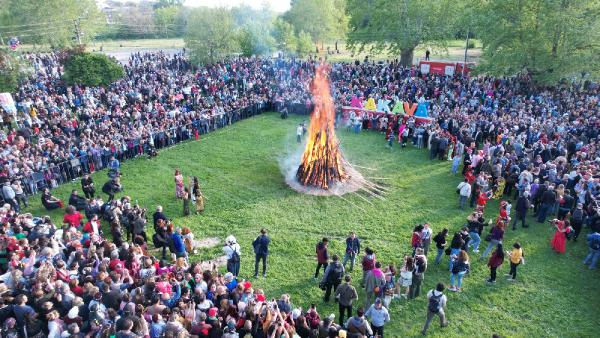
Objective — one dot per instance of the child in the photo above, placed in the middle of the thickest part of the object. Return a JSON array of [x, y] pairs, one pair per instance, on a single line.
[[406, 276], [455, 163], [390, 140], [516, 257]]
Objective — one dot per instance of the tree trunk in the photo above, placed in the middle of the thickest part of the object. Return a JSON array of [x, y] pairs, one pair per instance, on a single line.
[[406, 57]]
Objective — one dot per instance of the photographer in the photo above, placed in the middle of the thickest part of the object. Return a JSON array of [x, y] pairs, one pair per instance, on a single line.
[[111, 187]]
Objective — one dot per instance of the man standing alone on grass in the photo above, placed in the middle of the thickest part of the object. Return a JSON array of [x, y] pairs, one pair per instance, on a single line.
[[299, 133], [436, 304], [261, 250], [345, 295], [322, 256], [332, 277], [352, 249]]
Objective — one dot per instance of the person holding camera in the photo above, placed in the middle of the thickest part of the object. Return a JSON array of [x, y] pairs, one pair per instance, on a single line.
[[332, 277]]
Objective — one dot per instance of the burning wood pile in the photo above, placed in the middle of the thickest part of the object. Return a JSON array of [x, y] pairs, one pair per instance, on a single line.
[[322, 163]]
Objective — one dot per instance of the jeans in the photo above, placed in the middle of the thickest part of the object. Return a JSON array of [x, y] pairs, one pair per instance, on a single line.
[[438, 258], [453, 252], [492, 245], [328, 287], [377, 330], [343, 310], [459, 276], [592, 258], [319, 265], [349, 257], [520, 217], [462, 200], [430, 316], [264, 264], [513, 270], [455, 167], [475, 239], [542, 213]]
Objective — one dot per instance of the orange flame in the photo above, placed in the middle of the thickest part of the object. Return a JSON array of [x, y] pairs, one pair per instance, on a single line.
[[321, 164]]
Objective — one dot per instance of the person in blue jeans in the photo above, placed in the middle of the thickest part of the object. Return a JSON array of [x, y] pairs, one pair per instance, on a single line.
[[475, 223], [496, 234], [594, 245], [455, 246], [459, 270], [440, 244]]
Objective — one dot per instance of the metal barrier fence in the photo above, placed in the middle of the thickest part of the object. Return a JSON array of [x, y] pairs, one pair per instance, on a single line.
[[67, 171]]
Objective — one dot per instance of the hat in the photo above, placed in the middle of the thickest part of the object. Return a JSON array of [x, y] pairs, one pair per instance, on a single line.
[[212, 312], [231, 325], [260, 297], [3, 289], [73, 313], [579, 206], [247, 285], [377, 301]]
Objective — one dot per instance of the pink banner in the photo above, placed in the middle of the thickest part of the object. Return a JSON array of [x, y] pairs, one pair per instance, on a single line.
[[373, 113]]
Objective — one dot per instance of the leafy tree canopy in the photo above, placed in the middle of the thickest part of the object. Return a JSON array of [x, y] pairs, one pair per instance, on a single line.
[[92, 69]]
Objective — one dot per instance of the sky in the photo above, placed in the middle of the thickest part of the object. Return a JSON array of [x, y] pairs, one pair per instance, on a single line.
[[276, 5]]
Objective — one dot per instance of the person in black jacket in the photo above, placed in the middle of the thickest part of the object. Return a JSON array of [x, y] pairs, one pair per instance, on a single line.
[[77, 201], [547, 201], [440, 243], [523, 205], [87, 185], [261, 250], [475, 223], [566, 205]]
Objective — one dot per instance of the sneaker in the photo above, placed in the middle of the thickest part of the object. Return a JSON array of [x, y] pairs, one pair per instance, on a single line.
[[264, 275], [255, 276], [511, 279], [507, 275], [445, 324]]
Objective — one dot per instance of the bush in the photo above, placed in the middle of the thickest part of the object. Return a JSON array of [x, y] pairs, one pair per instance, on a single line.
[[12, 70], [90, 69], [471, 45]]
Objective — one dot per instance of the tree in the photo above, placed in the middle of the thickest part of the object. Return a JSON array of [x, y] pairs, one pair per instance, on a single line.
[[547, 40], [305, 44], [319, 18], [210, 34], [284, 36], [165, 19], [399, 26], [255, 39], [12, 70], [91, 69], [50, 22]]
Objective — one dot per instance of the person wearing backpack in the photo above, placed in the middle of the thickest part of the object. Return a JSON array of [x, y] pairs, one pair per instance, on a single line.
[[435, 306], [418, 274], [332, 277], [233, 253], [594, 244], [459, 269], [322, 256]]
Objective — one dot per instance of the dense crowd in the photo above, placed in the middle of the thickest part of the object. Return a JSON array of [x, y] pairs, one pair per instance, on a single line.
[[537, 146]]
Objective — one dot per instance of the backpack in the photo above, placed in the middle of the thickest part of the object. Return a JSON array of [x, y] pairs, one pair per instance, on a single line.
[[578, 215], [336, 274], [435, 303], [235, 257]]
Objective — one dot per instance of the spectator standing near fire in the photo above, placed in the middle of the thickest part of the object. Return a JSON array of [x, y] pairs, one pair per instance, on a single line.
[[261, 251], [322, 256], [352, 249]]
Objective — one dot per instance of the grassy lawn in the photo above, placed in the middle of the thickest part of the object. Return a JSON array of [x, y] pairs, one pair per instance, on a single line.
[[239, 173]]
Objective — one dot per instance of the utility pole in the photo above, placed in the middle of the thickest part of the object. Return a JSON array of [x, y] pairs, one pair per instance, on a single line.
[[78, 30], [466, 49]]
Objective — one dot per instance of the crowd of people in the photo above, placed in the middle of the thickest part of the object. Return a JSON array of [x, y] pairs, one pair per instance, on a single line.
[[534, 148]]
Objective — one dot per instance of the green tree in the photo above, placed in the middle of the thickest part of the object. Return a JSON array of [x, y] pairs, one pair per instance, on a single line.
[[548, 40], [255, 39], [284, 36], [399, 26], [321, 19], [12, 70], [305, 44], [211, 34], [91, 69], [165, 19], [50, 22]]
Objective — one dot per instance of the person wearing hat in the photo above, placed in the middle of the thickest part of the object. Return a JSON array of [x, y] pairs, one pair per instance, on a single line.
[[379, 316], [523, 205], [233, 252]]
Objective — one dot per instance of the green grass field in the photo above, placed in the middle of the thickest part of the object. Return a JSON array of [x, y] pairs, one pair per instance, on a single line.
[[240, 175]]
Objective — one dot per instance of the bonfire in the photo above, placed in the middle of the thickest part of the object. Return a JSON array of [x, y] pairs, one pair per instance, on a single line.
[[322, 162]]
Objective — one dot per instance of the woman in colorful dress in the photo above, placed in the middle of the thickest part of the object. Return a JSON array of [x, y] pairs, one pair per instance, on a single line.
[[179, 187], [560, 238]]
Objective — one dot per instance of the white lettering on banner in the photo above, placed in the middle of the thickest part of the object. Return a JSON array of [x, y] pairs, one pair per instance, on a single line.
[[425, 68], [449, 70]]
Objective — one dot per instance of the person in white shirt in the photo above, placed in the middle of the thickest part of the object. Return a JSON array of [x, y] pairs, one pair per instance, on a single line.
[[233, 252], [299, 132], [435, 306], [464, 192]]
